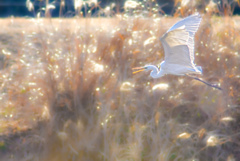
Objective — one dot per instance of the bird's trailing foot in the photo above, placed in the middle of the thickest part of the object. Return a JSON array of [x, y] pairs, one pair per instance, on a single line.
[[209, 84]]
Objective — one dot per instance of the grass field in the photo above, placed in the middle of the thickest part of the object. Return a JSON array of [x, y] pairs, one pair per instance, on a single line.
[[68, 93]]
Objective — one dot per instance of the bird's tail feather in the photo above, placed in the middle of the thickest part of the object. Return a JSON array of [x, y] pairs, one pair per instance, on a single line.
[[199, 68]]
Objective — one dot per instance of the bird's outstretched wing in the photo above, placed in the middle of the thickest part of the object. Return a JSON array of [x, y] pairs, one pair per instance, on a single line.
[[178, 41]]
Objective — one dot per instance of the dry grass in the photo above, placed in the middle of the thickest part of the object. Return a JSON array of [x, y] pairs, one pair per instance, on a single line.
[[67, 92]]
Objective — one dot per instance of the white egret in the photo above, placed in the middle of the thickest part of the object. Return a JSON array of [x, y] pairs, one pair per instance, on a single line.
[[178, 44]]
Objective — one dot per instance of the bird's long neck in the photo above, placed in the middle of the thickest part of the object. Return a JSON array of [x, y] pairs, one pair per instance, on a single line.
[[156, 72]]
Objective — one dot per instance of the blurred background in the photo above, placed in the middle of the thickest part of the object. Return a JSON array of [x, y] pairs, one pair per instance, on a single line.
[[18, 7], [67, 91]]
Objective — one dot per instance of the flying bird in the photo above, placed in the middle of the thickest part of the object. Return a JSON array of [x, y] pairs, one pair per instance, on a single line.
[[178, 44]]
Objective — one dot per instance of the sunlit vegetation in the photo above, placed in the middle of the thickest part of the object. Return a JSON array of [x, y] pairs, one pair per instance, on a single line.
[[68, 92]]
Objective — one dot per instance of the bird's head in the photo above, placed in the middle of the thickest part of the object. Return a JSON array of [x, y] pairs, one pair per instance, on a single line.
[[144, 68], [139, 69]]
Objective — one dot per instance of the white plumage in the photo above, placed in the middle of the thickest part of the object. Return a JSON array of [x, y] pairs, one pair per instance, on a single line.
[[178, 44]]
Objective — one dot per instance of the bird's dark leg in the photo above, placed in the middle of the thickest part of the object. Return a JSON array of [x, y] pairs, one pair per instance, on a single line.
[[211, 85]]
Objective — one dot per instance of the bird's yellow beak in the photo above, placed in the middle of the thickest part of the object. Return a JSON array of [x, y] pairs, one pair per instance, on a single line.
[[138, 69]]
